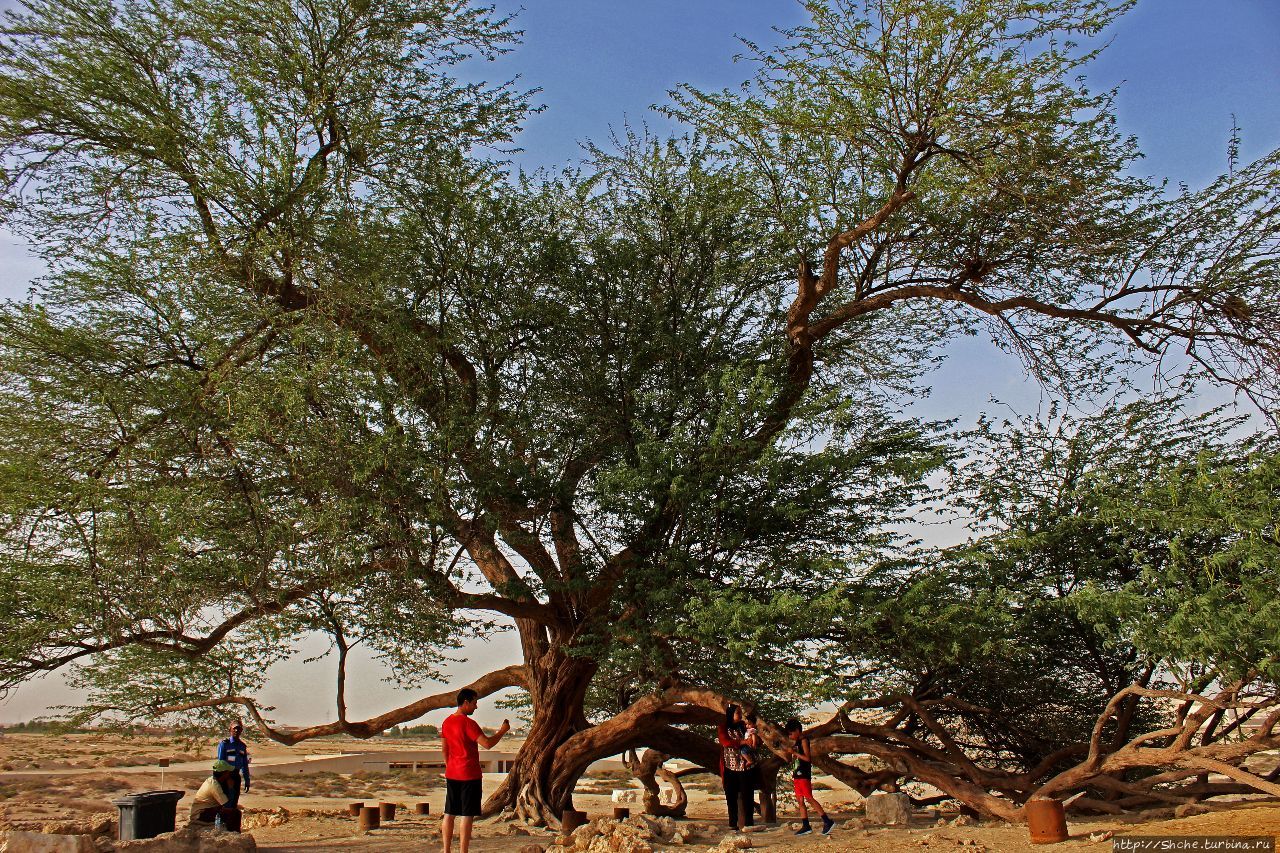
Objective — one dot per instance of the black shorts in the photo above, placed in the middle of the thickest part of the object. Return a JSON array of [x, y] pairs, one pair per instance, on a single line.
[[462, 797]]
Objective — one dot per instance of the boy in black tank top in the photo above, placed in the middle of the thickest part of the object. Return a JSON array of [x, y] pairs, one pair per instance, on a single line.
[[802, 779]]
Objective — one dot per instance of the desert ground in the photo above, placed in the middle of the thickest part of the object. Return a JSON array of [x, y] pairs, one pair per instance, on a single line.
[[66, 782]]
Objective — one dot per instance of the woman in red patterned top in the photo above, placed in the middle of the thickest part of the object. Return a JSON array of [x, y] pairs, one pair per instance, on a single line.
[[735, 772]]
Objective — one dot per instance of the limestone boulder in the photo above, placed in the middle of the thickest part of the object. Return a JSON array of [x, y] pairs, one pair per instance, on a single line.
[[731, 844], [268, 817], [103, 823], [888, 809], [607, 836], [661, 828], [193, 839], [45, 842]]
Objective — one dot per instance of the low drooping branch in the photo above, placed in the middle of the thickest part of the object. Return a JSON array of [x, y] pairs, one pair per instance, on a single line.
[[511, 676], [913, 743], [1184, 750]]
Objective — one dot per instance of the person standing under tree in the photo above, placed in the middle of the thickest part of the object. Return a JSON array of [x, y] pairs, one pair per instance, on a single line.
[[235, 752], [802, 779], [461, 738], [735, 774]]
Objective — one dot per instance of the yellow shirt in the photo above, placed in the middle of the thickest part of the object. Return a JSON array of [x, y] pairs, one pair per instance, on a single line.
[[209, 796]]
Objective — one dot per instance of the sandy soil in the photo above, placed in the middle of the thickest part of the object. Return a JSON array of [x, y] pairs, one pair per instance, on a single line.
[[417, 833], [309, 813]]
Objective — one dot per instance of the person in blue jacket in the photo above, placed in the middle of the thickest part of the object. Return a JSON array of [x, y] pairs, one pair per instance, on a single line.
[[235, 752]]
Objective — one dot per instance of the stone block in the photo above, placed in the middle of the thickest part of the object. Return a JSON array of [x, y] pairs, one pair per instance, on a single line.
[[192, 839], [44, 842], [888, 809]]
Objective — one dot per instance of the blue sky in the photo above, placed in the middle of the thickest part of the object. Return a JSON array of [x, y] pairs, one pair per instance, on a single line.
[[1184, 67]]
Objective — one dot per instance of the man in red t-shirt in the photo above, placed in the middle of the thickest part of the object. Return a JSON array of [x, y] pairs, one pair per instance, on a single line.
[[462, 738]]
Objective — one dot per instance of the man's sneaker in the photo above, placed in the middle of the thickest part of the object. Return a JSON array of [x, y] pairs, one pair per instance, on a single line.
[[827, 825], [805, 829]]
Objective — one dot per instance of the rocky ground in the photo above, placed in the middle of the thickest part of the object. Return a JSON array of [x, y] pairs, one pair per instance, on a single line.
[[308, 813], [643, 835]]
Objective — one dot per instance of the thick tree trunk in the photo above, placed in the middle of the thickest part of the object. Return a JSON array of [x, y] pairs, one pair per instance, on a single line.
[[534, 791], [769, 768]]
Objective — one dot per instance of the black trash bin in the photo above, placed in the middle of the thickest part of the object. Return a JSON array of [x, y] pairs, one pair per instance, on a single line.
[[147, 814]]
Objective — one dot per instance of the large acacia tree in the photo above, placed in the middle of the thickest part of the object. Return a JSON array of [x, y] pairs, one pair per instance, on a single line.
[[309, 360]]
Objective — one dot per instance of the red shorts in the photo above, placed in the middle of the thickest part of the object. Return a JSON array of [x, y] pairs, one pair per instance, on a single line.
[[804, 788]]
